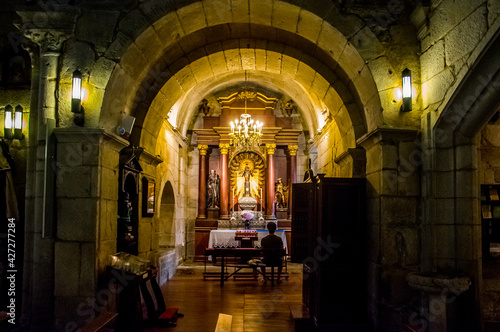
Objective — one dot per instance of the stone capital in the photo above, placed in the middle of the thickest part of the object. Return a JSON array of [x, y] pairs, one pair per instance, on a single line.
[[203, 149], [224, 148], [386, 135], [270, 148], [49, 28], [292, 150]]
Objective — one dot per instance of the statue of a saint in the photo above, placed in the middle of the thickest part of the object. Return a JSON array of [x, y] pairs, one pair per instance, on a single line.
[[213, 189], [204, 107], [280, 191], [247, 174]]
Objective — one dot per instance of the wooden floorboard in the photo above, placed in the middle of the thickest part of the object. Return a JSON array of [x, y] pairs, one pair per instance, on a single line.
[[255, 306]]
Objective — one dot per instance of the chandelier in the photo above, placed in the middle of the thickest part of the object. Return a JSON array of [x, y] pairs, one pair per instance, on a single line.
[[245, 133]]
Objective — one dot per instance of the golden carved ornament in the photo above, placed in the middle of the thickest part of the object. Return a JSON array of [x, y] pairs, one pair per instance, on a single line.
[[203, 149], [270, 148], [224, 148], [292, 150], [247, 95]]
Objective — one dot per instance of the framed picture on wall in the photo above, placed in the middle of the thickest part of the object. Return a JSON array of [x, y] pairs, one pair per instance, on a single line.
[[148, 197]]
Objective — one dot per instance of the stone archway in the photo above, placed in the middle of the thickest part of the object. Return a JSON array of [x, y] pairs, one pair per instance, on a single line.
[[167, 257], [167, 68], [452, 218], [166, 220], [340, 80]]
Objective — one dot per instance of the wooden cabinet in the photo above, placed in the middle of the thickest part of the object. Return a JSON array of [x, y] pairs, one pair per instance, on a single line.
[[490, 219], [329, 238]]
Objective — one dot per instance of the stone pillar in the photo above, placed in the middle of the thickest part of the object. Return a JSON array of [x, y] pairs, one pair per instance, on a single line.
[[202, 185], [393, 197], [87, 194], [292, 175], [270, 182], [224, 180], [49, 30]]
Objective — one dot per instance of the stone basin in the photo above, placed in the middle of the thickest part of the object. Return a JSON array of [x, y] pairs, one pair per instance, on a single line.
[[436, 283]]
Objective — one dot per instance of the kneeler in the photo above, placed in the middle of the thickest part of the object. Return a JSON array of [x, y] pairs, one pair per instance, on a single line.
[[160, 315]]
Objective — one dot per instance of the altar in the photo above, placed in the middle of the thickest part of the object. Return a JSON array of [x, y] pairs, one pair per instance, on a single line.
[[226, 237], [246, 171]]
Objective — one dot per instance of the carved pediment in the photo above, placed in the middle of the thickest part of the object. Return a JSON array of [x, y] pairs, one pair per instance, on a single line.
[[130, 160], [252, 102]]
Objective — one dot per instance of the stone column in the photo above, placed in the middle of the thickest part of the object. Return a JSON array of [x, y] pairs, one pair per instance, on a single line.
[[270, 182], [87, 195], [393, 197], [49, 30], [224, 180], [202, 193], [292, 174]]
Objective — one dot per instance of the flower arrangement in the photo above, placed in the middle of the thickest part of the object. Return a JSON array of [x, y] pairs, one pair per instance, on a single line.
[[247, 216]]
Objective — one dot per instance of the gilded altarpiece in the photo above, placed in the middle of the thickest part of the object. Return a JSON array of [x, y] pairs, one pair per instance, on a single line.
[[244, 172], [247, 176]]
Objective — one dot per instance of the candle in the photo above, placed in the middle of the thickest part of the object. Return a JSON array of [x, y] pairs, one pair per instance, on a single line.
[[261, 201]]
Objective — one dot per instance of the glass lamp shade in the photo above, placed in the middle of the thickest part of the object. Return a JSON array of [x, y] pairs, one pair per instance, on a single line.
[[407, 91], [8, 123], [76, 93]]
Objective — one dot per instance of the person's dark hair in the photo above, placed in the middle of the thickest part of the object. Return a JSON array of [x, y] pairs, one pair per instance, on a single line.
[[271, 227]]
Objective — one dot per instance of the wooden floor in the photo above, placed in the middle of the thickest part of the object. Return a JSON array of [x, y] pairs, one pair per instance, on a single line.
[[254, 305]]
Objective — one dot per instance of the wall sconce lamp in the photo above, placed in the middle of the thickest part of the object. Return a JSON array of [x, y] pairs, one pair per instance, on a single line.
[[13, 122], [407, 91], [76, 98]]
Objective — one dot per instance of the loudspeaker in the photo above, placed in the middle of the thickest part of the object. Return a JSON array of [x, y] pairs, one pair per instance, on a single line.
[[126, 125]]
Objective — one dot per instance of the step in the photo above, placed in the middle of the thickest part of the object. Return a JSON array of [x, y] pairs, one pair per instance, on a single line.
[[301, 318]]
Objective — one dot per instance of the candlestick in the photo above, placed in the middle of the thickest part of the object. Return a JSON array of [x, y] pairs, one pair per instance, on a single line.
[[261, 202]]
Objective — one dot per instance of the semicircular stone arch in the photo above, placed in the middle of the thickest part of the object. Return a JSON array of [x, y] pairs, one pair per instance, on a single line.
[[166, 221], [152, 60]]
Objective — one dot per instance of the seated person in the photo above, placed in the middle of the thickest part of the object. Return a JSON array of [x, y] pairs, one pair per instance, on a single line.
[[272, 258]]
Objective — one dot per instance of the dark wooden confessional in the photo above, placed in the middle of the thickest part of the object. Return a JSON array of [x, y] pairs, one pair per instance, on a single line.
[[329, 239]]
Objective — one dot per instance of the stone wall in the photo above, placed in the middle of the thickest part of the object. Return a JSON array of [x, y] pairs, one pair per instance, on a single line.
[[451, 40], [172, 149], [98, 53], [148, 230]]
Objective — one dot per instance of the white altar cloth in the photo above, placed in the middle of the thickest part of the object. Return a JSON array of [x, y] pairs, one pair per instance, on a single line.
[[225, 237]]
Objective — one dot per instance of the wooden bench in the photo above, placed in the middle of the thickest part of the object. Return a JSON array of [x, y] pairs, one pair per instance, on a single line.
[[244, 255]]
